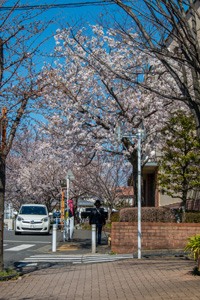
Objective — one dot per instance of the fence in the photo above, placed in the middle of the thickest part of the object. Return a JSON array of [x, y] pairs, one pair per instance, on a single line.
[[155, 236]]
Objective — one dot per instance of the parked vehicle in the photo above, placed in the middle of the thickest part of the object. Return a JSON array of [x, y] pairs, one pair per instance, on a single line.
[[32, 218]]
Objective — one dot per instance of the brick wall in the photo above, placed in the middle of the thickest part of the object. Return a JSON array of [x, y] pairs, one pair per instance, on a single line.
[[154, 236]]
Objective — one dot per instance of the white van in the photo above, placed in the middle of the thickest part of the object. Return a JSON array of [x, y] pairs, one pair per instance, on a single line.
[[32, 218]]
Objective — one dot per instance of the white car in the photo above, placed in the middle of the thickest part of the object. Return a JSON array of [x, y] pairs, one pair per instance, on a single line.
[[32, 218]]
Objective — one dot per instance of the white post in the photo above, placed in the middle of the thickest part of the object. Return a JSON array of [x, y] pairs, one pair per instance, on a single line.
[[93, 238], [9, 221], [139, 193], [139, 135], [54, 238], [67, 209], [70, 176], [71, 225]]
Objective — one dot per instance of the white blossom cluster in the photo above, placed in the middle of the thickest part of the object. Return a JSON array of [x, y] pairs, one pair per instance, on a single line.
[[96, 83]]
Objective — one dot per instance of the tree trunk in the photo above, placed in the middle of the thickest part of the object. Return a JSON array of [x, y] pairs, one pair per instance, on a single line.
[[184, 201], [2, 193], [76, 219], [133, 159], [109, 208], [196, 113], [198, 263]]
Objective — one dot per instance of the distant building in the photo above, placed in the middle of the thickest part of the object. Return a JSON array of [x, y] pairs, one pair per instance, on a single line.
[[125, 195]]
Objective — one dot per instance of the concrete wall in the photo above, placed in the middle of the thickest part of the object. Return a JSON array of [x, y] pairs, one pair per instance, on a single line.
[[166, 200], [155, 236]]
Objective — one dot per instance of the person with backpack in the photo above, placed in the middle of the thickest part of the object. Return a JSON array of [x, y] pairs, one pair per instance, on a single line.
[[97, 217]]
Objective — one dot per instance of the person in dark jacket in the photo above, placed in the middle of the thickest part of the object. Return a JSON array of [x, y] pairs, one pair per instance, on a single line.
[[97, 217]]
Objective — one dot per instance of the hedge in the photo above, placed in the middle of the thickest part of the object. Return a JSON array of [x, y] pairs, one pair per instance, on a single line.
[[192, 217], [114, 217], [148, 214]]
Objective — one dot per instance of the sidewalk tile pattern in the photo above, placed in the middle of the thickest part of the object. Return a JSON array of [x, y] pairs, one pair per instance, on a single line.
[[131, 279]]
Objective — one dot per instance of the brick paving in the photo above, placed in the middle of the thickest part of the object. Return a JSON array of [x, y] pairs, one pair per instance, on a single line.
[[131, 279]]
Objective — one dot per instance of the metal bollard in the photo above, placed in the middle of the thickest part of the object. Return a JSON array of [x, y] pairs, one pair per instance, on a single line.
[[93, 238], [54, 238]]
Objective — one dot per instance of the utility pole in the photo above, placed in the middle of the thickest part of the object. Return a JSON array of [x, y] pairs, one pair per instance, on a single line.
[[140, 135]]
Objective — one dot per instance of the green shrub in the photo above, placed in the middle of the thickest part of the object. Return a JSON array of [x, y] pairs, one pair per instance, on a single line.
[[194, 247], [148, 214], [87, 227], [9, 274], [108, 225], [114, 217], [192, 217]]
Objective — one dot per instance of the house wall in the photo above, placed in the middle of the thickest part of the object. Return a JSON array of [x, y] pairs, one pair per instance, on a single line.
[[154, 236], [166, 200], [194, 204], [150, 191], [152, 196], [171, 41]]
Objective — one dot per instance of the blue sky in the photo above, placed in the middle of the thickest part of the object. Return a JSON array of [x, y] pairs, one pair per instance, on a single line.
[[90, 11], [70, 14], [90, 14]]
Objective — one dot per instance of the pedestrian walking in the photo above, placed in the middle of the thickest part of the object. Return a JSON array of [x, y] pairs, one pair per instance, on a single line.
[[97, 217]]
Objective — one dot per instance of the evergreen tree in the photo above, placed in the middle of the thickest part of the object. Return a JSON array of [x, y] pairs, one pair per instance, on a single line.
[[179, 165]]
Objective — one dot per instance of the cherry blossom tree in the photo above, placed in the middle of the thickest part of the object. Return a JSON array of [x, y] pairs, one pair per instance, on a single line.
[[34, 179], [102, 177], [94, 85], [169, 31], [34, 170], [20, 41]]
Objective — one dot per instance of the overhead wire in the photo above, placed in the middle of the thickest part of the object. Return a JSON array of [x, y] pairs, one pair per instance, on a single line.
[[66, 5]]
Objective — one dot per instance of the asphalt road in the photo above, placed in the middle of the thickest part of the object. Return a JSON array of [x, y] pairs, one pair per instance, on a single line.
[[18, 247]]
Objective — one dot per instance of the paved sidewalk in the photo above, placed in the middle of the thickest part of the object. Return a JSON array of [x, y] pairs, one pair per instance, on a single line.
[[78, 250], [81, 244], [132, 279]]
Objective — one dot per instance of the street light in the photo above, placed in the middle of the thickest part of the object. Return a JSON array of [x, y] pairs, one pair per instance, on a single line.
[[140, 136], [70, 176]]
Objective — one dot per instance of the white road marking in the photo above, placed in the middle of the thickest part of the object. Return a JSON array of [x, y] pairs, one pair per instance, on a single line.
[[20, 247], [37, 242], [74, 259]]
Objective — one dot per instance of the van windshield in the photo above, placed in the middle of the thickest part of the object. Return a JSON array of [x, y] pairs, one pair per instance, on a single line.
[[33, 210]]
